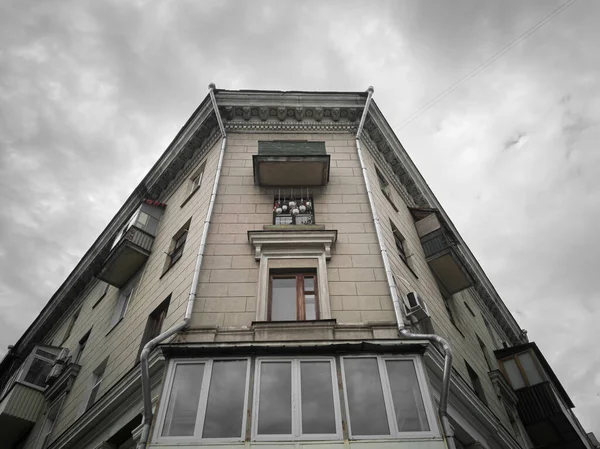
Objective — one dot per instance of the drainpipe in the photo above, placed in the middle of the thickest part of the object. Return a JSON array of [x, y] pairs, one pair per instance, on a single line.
[[438, 341], [146, 393]]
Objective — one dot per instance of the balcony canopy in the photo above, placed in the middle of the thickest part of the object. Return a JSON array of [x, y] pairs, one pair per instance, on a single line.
[[291, 164]]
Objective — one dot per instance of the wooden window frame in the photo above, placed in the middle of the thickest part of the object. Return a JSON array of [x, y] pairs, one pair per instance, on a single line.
[[300, 293], [515, 357]]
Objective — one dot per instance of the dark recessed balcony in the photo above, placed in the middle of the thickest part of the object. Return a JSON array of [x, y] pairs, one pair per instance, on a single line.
[[19, 410], [439, 247], [547, 424], [291, 164], [126, 257]]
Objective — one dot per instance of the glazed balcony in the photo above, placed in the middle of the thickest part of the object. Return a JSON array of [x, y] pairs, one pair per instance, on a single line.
[[291, 164], [442, 257]]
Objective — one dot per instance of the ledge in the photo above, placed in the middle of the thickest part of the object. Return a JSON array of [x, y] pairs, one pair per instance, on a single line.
[[293, 227], [279, 240]]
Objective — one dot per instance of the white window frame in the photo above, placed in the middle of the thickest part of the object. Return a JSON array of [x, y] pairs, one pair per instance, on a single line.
[[296, 434], [433, 431], [202, 402]]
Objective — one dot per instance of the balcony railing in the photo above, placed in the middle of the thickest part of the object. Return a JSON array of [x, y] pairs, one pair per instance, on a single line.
[[440, 251]]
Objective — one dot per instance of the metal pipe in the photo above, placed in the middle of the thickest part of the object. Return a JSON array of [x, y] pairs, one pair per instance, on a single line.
[[438, 341], [148, 347]]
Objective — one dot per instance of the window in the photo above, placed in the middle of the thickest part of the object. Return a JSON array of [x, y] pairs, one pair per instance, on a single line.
[[296, 399], [293, 296], [154, 324], [476, 384], [96, 382], [70, 326], [122, 303], [293, 211], [385, 188], [81, 347], [485, 353], [177, 245], [51, 415], [206, 400], [385, 397], [522, 371]]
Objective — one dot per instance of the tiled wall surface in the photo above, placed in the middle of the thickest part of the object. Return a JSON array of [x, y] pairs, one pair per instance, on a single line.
[[228, 281]]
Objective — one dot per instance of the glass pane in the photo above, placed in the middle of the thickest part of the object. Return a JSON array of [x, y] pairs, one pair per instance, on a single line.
[[365, 397], [408, 403], [531, 371], [283, 305], [318, 414], [183, 402], [38, 371], [310, 307], [309, 284], [514, 375], [275, 399], [225, 408]]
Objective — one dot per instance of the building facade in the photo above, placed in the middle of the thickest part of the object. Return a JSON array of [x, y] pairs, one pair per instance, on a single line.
[[277, 281]]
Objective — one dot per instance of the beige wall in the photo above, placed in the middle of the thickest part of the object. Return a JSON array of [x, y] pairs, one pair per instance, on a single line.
[[121, 343], [229, 277]]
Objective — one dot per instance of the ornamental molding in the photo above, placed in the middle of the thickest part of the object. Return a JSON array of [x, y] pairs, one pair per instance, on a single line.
[[503, 388], [290, 126], [63, 384], [302, 242]]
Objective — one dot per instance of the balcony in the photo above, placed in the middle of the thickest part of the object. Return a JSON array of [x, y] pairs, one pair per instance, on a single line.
[[440, 251], [126, 257], [291, 164], [547, 423], [19, 410]]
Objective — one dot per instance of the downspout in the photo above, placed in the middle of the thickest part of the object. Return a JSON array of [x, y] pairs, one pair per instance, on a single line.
[[438, 341], [146, 393]]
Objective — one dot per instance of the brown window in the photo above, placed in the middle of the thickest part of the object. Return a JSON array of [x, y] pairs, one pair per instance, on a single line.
[[177, 245], [293, 296], [154, 324], [399, 240], [476, 383]]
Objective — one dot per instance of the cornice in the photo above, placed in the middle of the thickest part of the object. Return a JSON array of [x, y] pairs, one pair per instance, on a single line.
[[199, 128], [406, 172]]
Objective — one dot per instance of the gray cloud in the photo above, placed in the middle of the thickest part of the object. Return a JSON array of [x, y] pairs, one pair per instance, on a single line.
[[91, 93]]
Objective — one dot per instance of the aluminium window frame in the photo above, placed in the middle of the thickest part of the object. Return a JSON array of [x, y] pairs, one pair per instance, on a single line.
[[202, 402], [388, 400], [296, 399]]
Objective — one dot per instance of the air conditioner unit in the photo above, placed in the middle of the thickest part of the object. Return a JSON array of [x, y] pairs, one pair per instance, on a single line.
[[415, 306]]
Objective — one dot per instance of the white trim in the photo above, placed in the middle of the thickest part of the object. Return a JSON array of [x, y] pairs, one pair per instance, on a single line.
[[433, 431], [202, 402], [296, 435]]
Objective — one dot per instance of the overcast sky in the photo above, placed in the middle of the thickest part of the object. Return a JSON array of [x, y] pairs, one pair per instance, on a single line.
[[91, 93]]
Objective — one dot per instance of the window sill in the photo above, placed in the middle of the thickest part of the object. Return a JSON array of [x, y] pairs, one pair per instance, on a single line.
[[190, 196]]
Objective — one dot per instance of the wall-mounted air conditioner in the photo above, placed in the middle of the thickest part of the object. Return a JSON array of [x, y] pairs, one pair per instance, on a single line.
[[415, 306]]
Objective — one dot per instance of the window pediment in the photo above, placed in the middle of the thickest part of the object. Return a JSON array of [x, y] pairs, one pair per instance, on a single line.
[[292, 241]]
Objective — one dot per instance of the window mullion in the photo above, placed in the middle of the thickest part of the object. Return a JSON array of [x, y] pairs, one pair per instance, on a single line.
[[521, 370], [296, 400], [387, 396], [301, 309], [203, 400]]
